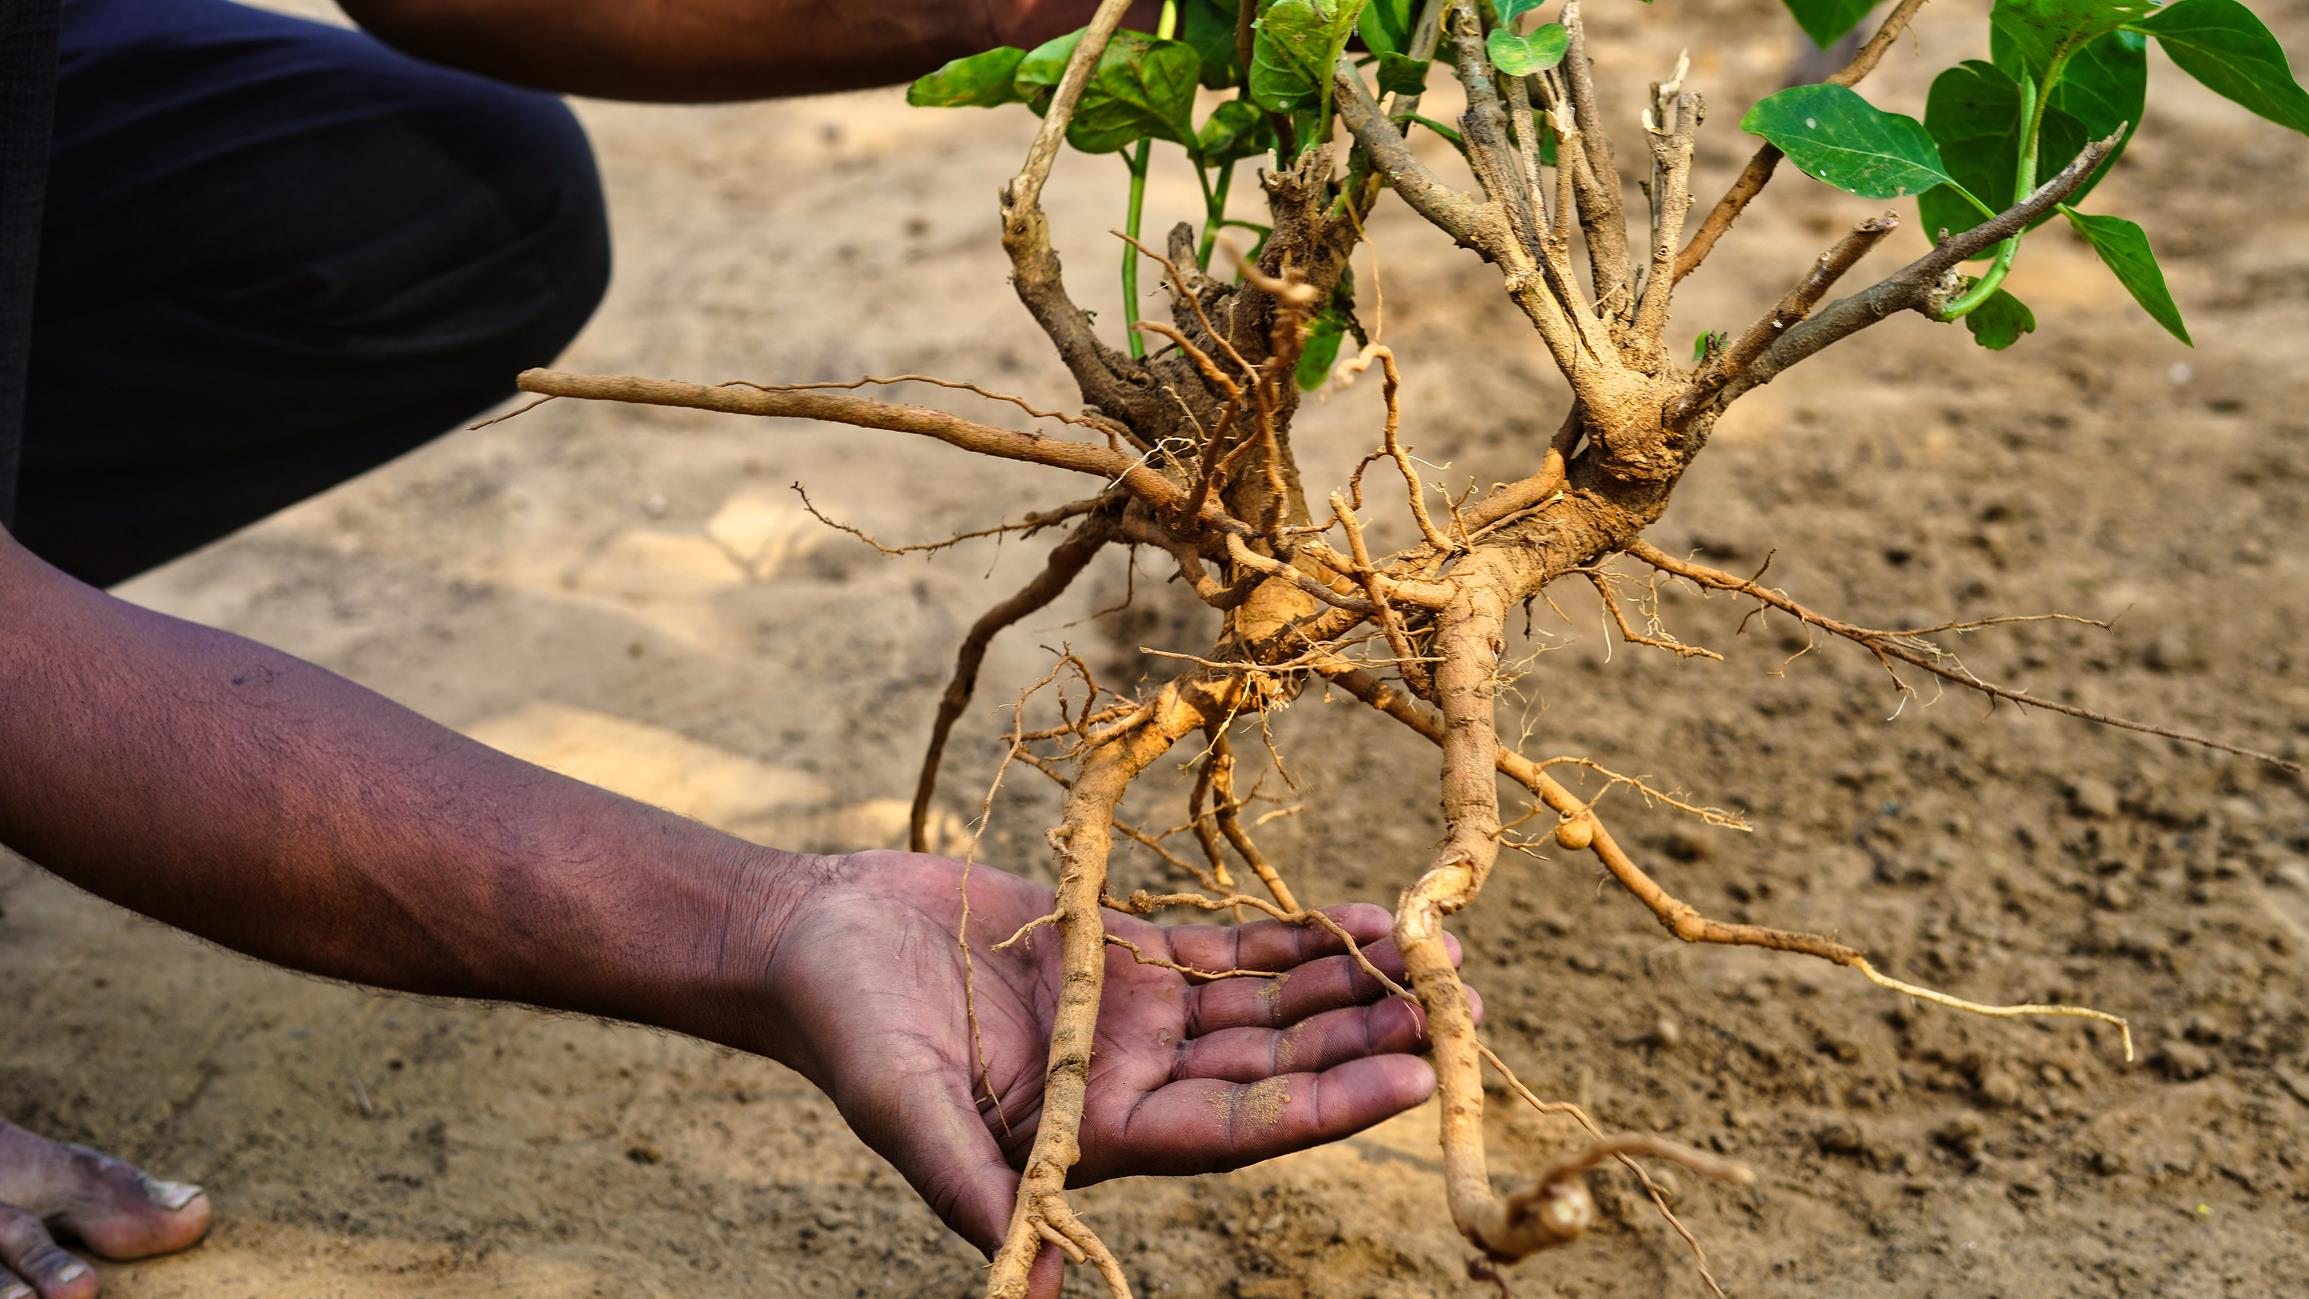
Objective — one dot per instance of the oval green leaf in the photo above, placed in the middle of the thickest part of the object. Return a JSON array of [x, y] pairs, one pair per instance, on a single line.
[[2221, 43], [2124, 249], [1143, 88], [1236, 129], [1836, 136], [1523, 56], [1400, 74], [1999, 322], [2029, 36], [1386, 26], [1976, 115], [1209, 26], [1827, 21], [979, 81], [1298, 41]]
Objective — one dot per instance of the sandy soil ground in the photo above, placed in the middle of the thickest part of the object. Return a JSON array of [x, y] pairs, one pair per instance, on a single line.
[[637, 597]]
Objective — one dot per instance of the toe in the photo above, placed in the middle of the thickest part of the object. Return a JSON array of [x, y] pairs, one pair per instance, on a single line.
[[30, 1253], [107, 1204], [120, 1212]]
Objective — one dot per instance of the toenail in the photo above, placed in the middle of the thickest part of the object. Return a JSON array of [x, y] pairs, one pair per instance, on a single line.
[[171, 1196]]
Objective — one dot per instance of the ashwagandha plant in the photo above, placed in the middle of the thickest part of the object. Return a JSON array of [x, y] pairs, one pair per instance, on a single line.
[[1187, 430]]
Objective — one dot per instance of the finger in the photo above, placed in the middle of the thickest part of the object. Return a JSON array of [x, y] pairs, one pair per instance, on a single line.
[[930, 1131], [1333, 1037], [1048, 1274], [1276, 944], [1203, 1125], [1309, 989], [28, 1251]]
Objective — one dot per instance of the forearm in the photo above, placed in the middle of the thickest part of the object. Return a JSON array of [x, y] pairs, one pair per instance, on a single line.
[[264, 804], [686, 50]]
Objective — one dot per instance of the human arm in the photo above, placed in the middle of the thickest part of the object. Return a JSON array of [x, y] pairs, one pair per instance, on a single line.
[[267, 805], [705, 50]]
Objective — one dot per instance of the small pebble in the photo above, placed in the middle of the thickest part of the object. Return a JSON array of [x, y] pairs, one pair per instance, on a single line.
[[1998, 1087], [1666, 1032], [2094, 797], [2182, 1061]]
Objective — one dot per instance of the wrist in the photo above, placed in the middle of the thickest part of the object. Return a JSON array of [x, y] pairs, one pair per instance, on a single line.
[[726, 992]]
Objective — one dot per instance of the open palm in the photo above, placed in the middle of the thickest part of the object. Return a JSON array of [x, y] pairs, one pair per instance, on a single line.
[[1187, 1076]]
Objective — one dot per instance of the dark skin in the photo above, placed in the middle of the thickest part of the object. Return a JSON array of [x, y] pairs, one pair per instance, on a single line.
[[267, 805], [262, 803], [689, 51], [240, 794]]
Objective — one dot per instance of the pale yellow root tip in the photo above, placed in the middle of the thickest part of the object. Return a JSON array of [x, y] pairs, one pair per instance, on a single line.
[[2124, 1029]]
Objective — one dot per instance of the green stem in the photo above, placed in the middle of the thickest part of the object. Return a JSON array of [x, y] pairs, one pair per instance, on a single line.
[[1137, 163], [1457, 142], [2024, 184], [1214, 210]]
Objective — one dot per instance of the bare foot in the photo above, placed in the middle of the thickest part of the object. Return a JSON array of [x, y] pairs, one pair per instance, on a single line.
[[49, 1191]]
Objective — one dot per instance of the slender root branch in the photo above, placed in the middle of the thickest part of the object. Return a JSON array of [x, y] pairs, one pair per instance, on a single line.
[[1230, 821], [1140, 955], [1628, 633], [1582, 829], [1066, 563], [1029, 525], [1902, 647], [1083, 841]]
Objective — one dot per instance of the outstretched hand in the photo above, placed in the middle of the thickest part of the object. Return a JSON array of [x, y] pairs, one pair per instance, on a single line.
[[1187, 1076]]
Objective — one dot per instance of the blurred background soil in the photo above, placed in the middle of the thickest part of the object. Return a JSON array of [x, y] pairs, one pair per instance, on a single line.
[[637, 596]]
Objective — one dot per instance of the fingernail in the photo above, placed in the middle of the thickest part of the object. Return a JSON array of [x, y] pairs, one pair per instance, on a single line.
[[17, 1291], [170, 1195], [70, 1272]]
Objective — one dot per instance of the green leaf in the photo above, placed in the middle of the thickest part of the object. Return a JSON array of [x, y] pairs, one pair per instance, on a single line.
[[2103, 79], [1826, 21], [1319, 352], [1209, 26], [1400, 74], [1386, 26], [2124, 249], [1298, 42], [1236, 129], [1836, 136], [1976, 115], [979, 81], [2104, 86], [1510, 10], [1041, 70], [2029, 36], [1143, 87], [1709, 342], [2221, 43], [1999, 322], [1329, 327], [1457, 141], [1523, 56]]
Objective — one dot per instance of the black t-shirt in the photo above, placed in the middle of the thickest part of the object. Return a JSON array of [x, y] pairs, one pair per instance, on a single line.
[[27, 101]]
